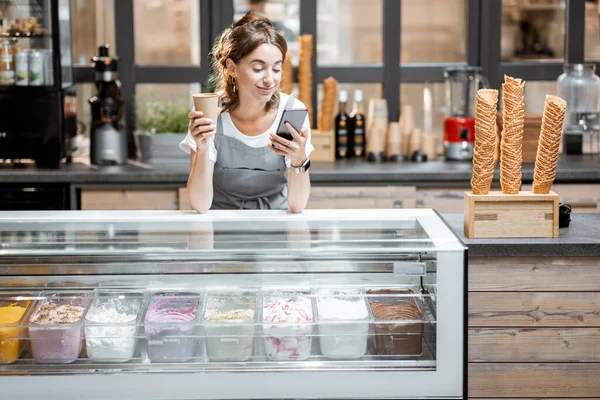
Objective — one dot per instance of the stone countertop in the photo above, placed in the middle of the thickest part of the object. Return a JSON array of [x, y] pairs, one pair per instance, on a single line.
[[580, 239], [573, 169]]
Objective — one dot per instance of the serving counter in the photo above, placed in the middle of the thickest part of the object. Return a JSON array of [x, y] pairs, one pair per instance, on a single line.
[[231, 305]]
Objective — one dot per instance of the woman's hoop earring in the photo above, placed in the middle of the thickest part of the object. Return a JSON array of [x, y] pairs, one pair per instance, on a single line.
[[233, 84]]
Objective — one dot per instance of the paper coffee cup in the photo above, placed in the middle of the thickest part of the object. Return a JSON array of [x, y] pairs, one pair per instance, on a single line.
[[208, 103]]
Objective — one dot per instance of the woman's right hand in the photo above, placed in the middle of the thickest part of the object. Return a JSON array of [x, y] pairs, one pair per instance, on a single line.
[[202, 129]]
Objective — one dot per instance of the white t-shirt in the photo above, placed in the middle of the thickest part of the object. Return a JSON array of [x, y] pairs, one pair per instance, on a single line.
[[229, 129]]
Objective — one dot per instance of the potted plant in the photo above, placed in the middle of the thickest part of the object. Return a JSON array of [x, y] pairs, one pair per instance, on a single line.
[[160, 128]]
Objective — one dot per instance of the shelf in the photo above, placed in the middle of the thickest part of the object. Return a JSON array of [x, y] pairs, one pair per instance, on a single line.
[[6, 36], [27, 89], [139, 364]]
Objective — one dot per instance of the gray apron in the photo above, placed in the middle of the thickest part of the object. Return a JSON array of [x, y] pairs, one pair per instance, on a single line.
[[246, 177]]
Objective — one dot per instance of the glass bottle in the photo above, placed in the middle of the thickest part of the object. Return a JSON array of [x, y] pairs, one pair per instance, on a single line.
[[358, 125], [342, 127], [7, 63]]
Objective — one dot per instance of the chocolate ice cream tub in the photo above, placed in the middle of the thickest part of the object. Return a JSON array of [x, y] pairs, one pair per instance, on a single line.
[[398, 322], [171, 326], [56, 326]]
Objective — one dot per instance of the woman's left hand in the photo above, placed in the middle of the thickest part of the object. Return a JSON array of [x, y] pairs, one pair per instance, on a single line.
[[294, 149]]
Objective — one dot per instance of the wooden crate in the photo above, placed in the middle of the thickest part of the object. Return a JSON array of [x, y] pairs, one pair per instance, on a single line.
[[522, 215], [324, 143]]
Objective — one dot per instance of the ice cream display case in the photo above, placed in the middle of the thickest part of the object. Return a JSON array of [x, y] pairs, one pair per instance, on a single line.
[[326, 304]]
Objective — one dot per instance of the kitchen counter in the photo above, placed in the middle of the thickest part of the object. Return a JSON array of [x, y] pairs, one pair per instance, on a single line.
[[583, 169], [580, 239]]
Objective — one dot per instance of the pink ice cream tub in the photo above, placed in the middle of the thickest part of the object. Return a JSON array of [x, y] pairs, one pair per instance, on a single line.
[[287, 320], [56, 328]]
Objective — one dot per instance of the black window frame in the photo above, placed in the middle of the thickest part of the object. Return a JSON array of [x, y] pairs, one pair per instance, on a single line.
[[483, 19]]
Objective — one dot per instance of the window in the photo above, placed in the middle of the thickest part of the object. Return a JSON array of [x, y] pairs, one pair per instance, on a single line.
[[92, 24], [370, 91], [433, 31], [82, 107], [533, 30], [284, 14], [163, 107], [349, 31], [412, 94], [349, 43], [167, 32], [592, 31], [535, 95]]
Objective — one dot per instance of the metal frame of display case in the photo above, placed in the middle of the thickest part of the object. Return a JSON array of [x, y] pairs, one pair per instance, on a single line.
[[76, 262], [482, 48]]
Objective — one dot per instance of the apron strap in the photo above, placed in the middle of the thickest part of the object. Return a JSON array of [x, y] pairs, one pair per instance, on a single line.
[[219, 125]]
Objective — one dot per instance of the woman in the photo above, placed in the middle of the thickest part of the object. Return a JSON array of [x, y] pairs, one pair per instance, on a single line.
[[238, 162]]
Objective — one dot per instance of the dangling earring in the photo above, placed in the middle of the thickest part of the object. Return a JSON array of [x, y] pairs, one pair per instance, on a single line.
[[233, 83]]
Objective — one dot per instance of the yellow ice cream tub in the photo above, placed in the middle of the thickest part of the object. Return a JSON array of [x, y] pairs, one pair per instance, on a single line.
[[11, 332]]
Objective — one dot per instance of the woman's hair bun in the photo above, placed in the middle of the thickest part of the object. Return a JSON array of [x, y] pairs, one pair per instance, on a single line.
[[257, 20]]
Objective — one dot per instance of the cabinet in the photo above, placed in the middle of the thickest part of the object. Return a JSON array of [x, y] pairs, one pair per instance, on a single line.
[[37, 41], [232, 304], [533, 327], [129, 199]]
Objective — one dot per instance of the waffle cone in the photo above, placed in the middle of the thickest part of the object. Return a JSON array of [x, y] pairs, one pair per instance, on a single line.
[[485, 136], [511, 145], [549, 141]]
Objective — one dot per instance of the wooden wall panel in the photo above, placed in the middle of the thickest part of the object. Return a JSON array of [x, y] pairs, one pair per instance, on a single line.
[[534, 274], [129, 199], [534, 380], [527, 309], [534, 328], [534, 345]]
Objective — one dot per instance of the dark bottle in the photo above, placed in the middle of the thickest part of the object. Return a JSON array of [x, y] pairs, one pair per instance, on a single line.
[[358, 136], [342, 128]]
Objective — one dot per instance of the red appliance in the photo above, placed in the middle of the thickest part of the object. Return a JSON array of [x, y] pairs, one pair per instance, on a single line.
[[462, 84]]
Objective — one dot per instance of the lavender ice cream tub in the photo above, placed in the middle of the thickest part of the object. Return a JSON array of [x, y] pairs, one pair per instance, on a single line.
[[171, 326]]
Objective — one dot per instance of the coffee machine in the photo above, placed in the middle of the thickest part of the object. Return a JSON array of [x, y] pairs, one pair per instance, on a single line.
[[108, 140], [462, 84]]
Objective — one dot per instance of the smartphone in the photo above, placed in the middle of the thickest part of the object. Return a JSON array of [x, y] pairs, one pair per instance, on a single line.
[[296, 118]]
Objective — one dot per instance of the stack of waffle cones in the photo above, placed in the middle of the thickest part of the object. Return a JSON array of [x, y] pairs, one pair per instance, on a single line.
[[511, 145], [549, 141], [325, 119], [485, 140], [305, 43], [287, 74]]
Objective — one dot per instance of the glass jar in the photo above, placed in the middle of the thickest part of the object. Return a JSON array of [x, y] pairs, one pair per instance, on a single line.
[[579, 86], [7, 63]]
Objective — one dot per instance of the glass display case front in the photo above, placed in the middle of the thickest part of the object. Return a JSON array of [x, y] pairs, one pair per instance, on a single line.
[[233, 304]]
